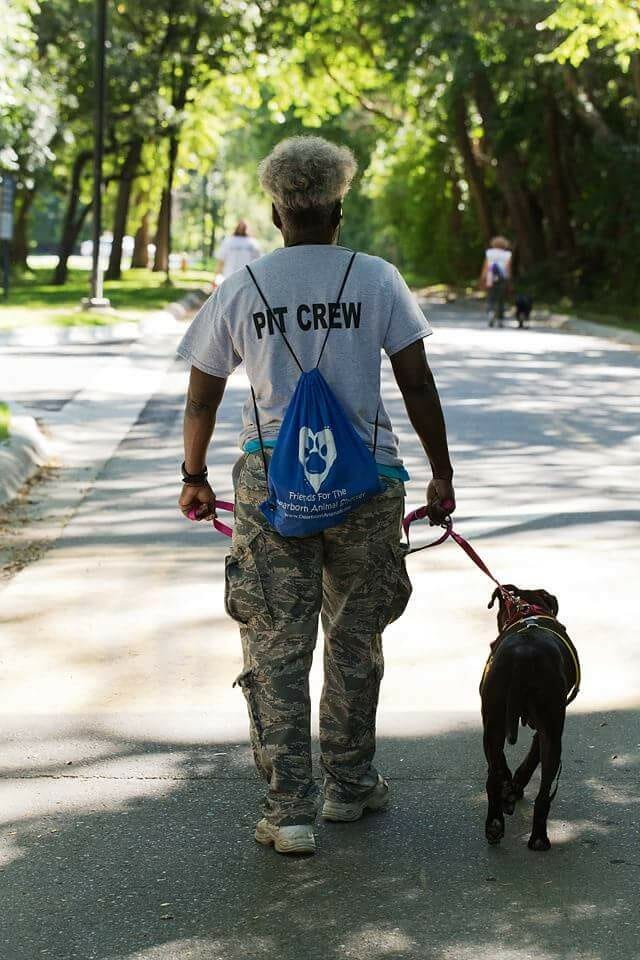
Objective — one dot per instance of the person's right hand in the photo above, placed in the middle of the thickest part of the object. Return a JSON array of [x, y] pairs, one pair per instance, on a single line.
[[439, 492], [201, 499]]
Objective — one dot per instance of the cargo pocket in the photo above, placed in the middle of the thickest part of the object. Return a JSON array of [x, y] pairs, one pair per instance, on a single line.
[[395, 585], [244, 595], [247, 683]]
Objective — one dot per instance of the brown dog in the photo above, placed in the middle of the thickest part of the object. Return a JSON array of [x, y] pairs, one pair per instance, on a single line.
[[533, 672]]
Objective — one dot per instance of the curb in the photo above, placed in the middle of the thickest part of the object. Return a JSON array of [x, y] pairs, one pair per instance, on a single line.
[[563, 322], [570, 324], [158, 323], [22, 454], [27, 449]]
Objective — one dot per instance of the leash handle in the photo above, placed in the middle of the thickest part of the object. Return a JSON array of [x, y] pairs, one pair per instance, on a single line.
[[221, 527], [422, 512]]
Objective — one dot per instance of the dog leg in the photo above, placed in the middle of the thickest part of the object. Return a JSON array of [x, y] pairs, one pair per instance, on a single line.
[[550, 752], [525, 771], [498, 781]]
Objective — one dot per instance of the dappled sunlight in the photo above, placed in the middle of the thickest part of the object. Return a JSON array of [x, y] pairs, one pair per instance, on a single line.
[[616, 794], [162, 829], [199, 948], [563, 831], [27, 801], [487, 951], [128, 786], [377, 941]]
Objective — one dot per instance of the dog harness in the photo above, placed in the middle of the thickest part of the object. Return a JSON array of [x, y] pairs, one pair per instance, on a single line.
[[532, 621]]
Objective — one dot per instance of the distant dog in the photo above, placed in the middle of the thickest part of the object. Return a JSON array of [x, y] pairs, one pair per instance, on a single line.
[[533, 672], [524, 305]]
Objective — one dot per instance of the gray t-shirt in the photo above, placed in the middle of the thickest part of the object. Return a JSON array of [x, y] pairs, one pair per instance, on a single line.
[[376, 312]]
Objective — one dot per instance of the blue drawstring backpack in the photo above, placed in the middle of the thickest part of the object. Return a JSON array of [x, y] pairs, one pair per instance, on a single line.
[[321, 469]]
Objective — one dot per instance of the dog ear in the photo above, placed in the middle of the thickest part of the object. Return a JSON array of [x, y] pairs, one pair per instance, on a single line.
[[551, 602], [494, 597]]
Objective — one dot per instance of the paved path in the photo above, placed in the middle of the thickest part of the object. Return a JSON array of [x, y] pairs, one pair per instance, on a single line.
[[128, 797]]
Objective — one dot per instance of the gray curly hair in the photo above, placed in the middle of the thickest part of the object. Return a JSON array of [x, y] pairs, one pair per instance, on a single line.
[[301, 173]]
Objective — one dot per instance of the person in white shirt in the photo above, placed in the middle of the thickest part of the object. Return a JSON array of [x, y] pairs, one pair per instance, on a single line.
[[353, 575], [236, 251], [495, 277]]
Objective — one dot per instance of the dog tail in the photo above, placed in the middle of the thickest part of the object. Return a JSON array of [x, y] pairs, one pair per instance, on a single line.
[[515, 698]]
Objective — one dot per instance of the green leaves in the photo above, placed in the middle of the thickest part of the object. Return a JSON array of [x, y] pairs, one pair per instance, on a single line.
[[592, 25]]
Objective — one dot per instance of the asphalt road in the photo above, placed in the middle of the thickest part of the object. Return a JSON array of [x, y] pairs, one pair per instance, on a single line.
[[127, 793]]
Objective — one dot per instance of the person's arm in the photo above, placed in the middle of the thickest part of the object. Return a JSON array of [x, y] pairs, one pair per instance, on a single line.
[[204, 395], [421, 399], [483, 273]]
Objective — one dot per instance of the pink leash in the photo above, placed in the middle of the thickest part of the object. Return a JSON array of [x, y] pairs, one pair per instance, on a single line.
[[221, 527], [514, 606], [421, 513], [410, 518]]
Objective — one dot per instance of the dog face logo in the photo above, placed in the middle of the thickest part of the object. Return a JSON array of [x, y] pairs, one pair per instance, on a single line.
[[317, 454]]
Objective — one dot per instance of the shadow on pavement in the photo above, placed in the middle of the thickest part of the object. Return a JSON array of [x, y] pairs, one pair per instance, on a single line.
[[145, 852]]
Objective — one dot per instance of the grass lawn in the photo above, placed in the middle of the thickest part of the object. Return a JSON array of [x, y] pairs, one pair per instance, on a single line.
[[33, 300], [5, 417]]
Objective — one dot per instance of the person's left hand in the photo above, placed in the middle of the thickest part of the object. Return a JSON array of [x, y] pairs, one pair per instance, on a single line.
[[440, 491]]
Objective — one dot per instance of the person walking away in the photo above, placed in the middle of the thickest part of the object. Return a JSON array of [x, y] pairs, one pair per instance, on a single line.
[[313, 306], [236, 251], [495, 278]]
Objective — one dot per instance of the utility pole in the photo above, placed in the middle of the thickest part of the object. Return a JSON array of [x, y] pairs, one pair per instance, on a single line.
[[205, 185], [7, 192], [97, 300]]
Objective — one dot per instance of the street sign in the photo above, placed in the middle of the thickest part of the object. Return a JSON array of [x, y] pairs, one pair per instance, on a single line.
[[7, 193]]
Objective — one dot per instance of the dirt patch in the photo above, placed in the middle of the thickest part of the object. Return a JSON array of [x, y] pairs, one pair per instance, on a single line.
[[24, 536]]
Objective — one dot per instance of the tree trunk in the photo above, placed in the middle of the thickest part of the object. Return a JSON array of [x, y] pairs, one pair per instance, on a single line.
[[127, 176], [528, 237], [558, 212], [215, 214], [73, 219], [161, 256], [140, 256], [473, 172], [163, 234], [19, 249], [635, 74]]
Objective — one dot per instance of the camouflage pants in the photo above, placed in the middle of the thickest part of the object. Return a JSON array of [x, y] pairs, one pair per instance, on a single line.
[[276, 588]]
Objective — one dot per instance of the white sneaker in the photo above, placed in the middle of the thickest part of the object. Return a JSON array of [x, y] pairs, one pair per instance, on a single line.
[[378, 799], [296, 839]]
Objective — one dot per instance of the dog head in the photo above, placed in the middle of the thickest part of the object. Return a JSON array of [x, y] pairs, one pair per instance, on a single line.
[[537, 598]]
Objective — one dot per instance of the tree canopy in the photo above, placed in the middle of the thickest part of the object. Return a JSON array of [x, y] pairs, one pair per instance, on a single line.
[[468, 117]]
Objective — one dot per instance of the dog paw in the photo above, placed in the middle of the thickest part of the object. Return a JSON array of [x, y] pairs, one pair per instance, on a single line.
[[509, 802], [494, 830], [539, 844]]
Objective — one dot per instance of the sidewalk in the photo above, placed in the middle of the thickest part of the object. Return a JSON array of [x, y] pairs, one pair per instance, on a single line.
[[128, 796], [28, 448]]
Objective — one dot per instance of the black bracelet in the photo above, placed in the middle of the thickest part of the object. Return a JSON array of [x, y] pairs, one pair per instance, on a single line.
[[194, 479]]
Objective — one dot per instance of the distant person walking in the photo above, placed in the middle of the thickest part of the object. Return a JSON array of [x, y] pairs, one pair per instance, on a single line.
[[495, 277], [236, 251]]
